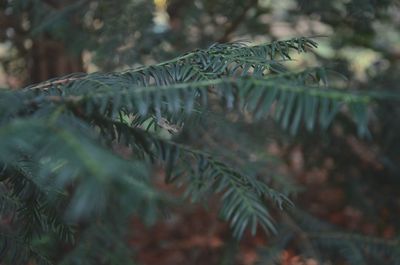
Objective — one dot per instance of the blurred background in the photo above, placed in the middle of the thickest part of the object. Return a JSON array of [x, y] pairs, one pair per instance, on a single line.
[[333, 176]]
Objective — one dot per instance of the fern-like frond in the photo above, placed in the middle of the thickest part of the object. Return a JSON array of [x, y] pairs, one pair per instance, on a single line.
[[243, 197], [211, 63], [291, 101]]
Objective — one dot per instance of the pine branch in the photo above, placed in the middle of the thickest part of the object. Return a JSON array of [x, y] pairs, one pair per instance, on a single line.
[[235, 51], [67, 129], [294, 101], [241, 195]]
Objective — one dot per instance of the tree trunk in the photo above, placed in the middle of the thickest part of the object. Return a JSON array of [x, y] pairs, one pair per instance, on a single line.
[[50, 59]]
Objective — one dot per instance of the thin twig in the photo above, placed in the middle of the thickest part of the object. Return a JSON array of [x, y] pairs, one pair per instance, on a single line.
[[48, 84]]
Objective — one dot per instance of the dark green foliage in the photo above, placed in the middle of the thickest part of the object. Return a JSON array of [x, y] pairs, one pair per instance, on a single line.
[[324, 242], [65, 179]]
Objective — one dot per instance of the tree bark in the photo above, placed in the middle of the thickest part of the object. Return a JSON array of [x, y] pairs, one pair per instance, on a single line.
[[50, 59]]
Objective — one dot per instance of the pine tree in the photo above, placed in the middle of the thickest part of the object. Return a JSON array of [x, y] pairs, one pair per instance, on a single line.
[[46, 38], [64, 177], [77, 152]]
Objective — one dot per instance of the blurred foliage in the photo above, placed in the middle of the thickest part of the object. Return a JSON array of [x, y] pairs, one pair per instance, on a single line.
[[347, 183]]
